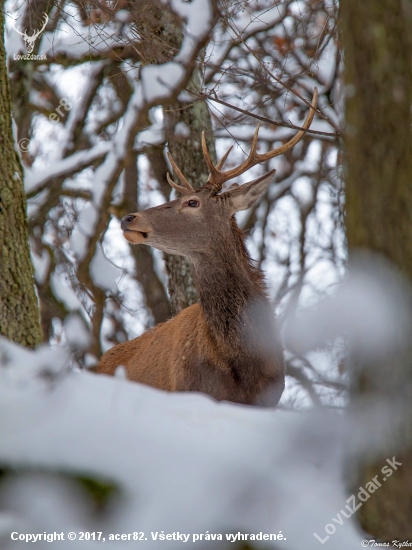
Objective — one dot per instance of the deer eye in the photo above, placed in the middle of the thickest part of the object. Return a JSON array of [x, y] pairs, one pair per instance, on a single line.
[[193, 203]]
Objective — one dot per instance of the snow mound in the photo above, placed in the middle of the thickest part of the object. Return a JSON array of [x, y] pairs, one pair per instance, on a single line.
[[181, 463]]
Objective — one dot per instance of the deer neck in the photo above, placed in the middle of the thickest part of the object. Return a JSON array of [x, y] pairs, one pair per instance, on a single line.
[[228, 287]]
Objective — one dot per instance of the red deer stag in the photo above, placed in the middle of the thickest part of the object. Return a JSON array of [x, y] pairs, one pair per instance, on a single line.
[[227, 345]]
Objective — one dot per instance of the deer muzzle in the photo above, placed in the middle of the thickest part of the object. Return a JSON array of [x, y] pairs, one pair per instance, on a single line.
[[135, 229]]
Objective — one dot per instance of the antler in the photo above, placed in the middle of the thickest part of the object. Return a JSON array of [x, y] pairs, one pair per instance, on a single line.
[[23, 34], [184, 190], [46, 20], [217, 178], [188, 188], [35, 34]]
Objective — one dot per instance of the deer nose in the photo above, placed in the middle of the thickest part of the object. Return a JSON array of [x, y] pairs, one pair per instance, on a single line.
[[126, 221]]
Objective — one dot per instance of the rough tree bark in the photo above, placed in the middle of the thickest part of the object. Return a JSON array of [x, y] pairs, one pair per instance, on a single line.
[[377, 43], [19, 312]]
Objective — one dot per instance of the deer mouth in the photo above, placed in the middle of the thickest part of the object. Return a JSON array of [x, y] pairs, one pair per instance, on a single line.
[[134, 236]]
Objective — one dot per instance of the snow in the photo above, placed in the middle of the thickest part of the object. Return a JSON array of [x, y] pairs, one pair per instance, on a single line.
[[76, 332], [197, 14], [35, 179], [153, 135], [123, 16], [181, 461], [78, 243], [158, 81], [20, 365], [41, 265], [182, 130], [198, 17], [302, 190], [64, 291], [83, 230], [103, 273], [78, 103]]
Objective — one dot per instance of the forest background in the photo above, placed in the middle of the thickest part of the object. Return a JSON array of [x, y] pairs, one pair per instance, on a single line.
[[117, 83]]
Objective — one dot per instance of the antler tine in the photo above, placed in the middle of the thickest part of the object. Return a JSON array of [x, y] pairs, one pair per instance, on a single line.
[[46, 20], [213, 170], [180, 188], [253, 147], [218, 178], [179, 174], [222, 161], [17, 29]]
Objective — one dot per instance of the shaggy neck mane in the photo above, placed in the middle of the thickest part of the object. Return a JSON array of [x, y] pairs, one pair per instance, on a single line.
[[227, 283]]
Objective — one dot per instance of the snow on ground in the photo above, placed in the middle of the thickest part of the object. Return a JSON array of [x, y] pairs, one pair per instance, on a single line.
[[182, 462]]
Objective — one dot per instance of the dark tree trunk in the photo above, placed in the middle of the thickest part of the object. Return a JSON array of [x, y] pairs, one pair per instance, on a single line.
[[19, 312], [377, 43]]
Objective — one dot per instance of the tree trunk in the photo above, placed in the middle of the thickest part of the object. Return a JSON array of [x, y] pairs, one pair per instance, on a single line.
[[378, 78], [184, 126], [19, 312]]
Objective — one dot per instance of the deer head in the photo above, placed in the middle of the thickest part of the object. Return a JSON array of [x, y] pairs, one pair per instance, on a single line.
[[31, 40], [196, 223]]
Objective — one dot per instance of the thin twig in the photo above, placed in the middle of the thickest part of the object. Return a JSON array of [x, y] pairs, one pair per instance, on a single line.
[[319, 112], [262, 118]]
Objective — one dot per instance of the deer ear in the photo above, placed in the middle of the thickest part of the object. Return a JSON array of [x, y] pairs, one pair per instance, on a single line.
[[243, 197]]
